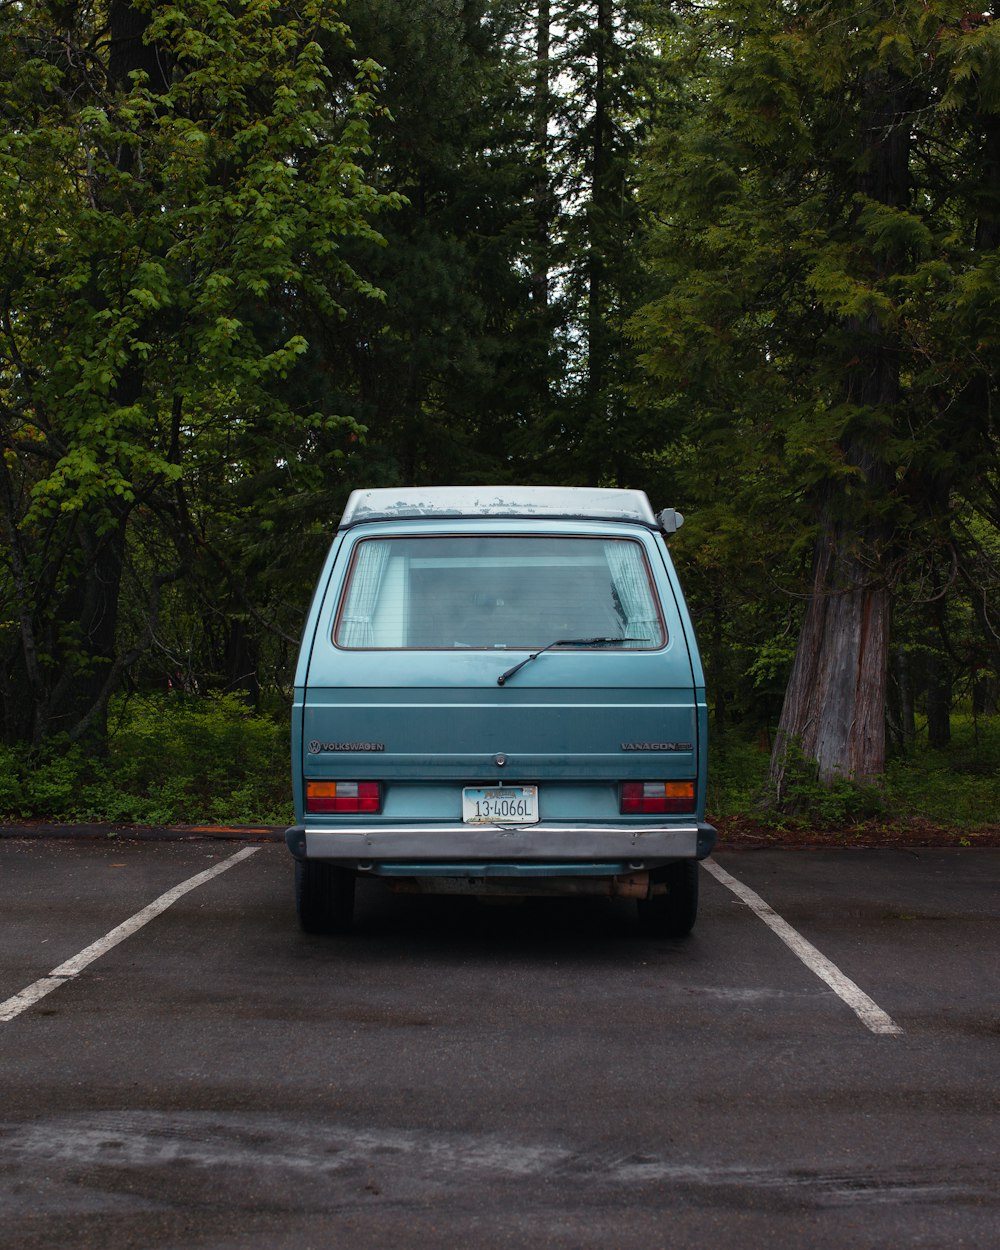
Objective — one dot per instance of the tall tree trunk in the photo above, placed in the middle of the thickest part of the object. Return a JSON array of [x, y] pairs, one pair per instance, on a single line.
[[128, 50], [83, 666], [835, 703], [596, 336], [907, 710], [241, 659], [542, 195], [543, 212], [717, 664], [834, 706], [938, 701], [78, 700], [986, 696]]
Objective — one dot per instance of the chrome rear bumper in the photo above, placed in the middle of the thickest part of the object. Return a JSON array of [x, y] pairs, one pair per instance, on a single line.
[[352, 845]]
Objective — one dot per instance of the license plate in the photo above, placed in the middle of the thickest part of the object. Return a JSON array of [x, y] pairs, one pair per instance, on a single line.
[[500, 805]]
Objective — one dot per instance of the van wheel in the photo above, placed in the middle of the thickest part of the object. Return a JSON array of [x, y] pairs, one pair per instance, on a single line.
[[672, 914], [324, 897]]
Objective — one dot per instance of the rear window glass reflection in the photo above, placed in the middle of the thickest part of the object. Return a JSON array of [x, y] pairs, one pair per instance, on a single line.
[[495, 592]]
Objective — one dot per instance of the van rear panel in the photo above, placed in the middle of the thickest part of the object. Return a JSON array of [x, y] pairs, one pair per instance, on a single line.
[[444, 659]]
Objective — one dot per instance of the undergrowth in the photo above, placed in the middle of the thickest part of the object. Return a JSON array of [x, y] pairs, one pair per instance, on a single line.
[[171, 759], [958, 785]]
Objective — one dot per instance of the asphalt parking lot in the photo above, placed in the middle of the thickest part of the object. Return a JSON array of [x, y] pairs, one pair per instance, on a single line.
[[200, 1074]]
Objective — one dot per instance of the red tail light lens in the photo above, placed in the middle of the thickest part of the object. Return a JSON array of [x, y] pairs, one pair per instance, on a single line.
[[343, 796], [645, 798]]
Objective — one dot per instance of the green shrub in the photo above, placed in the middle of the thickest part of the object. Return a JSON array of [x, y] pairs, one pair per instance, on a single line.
[[46, 784], [806, 800], [958, 784], [737, 774], [171, 758]]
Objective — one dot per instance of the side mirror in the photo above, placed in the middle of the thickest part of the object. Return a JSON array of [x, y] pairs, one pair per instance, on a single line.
[[669, 520]]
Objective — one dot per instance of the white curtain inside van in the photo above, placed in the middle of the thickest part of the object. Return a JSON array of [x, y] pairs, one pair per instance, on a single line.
[[628, 576], [356, 628]]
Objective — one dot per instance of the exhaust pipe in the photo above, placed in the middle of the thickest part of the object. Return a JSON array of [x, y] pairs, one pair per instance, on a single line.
[[634, 885]]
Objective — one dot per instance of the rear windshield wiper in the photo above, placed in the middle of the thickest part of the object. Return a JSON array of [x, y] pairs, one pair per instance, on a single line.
[[564, 642]]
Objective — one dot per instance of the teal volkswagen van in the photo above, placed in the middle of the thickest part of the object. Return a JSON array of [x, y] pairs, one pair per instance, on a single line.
[[499, 693]]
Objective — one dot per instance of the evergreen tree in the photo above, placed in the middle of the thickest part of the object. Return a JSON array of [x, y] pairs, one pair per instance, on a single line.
[[441, 375], [827, 285], [606, 69]]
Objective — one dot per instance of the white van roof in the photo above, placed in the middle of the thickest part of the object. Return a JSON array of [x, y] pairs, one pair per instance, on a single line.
[[573, 502]]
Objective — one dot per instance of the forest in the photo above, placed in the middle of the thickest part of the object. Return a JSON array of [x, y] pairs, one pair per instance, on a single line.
[[742, 255]]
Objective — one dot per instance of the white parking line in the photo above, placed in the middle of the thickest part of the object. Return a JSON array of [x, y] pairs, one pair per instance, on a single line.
[[866, 1009], [73, 967]]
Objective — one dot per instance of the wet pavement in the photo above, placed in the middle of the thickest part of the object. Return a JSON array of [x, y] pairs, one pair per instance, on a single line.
[[530, 1075]]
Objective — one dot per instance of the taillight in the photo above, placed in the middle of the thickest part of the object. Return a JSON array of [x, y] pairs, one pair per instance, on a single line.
[[343, 796], [644, 798]]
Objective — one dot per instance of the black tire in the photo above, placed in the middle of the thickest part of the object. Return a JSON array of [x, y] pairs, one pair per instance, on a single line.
[[671, 915], [324, 897]]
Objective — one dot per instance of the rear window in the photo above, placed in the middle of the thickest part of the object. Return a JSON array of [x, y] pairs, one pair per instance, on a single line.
[[497, 592]]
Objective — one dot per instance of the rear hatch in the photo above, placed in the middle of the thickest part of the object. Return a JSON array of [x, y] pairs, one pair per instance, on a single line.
[[403, 678]]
